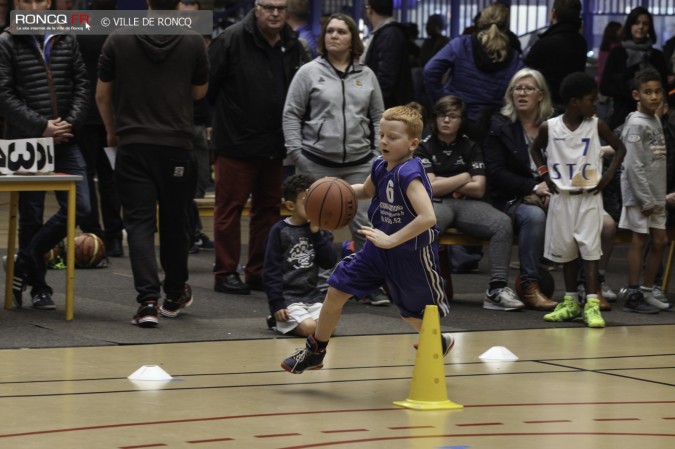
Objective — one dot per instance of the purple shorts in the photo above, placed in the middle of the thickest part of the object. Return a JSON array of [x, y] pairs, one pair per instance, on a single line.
[[412, 277]]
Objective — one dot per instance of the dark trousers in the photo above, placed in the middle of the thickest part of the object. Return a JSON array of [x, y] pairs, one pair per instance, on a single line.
[[36, 238], [147, 176], [92, 140], [236, 179]]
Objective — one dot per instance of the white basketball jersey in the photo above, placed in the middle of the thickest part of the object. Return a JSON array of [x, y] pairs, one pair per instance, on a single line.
[[573, 157]]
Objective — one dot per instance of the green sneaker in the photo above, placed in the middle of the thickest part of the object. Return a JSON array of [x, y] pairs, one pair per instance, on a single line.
[[592, 315], [567, 310]]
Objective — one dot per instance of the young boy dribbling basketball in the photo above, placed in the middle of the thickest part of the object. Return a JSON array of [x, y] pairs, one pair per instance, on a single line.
[[399, 248], [573, 172]]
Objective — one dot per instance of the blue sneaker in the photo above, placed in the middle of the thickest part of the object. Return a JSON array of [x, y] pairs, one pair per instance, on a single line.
[[308, 358]]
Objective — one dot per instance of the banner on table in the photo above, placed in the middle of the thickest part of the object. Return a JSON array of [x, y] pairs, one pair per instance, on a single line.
[[24, 156]]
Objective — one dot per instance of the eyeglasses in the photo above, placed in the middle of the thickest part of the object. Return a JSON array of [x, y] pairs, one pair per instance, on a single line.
[[271, 8], [449, 116], [529, 90]]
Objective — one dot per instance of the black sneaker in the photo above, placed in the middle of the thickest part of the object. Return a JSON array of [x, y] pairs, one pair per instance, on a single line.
[[204, 242], [146, 315], [308, 358], [271, 322], [635, 302], [379, 298], [43, 301], [447, 342], [172, 307], [19, 281]]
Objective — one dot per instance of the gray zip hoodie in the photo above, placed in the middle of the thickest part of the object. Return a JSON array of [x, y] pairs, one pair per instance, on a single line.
[[334, 119], [643, 180]]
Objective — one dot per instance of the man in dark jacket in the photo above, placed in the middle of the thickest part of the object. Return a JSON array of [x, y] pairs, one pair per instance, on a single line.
[[44, 92], [252, 64], [150, 119], [561, 49], [387, 53]]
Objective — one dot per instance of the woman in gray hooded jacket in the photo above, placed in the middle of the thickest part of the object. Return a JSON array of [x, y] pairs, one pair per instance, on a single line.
[[332, 113]]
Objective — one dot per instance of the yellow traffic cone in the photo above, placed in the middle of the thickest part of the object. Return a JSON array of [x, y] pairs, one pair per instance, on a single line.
[[428, 390]]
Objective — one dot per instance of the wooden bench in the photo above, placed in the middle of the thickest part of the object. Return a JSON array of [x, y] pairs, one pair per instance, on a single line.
[[206, 205], [455, 237]]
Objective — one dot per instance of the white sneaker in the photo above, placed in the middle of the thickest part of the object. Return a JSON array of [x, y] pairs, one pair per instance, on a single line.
[[607, 292], [652, 301], [658, 294], [503, 299]]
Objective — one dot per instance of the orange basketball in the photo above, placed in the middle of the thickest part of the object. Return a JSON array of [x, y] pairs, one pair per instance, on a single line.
[[331, 203], [89, 250]]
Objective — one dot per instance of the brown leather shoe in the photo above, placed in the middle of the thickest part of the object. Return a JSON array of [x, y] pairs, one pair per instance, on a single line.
[[535, 299], [605, 306]]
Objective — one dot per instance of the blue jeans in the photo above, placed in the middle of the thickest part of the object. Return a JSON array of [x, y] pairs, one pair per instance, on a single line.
[[35, 238], [530, 223]]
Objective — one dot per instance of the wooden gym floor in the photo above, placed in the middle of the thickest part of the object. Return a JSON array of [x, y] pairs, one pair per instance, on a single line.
[[571, 387], [586, 388]]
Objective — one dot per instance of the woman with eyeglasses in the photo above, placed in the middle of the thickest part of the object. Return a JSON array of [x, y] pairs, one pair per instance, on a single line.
[[515, 186], [455, 167], [517, 189], [635, 53], [332, 115]]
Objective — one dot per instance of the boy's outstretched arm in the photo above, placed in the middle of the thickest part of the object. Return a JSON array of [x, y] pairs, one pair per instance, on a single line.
[[536, 148], [364, 191], [619, 148], [425, 219]]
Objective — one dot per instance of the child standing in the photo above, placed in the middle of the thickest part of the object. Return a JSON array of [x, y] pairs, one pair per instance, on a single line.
[[294, 252], [572, 170], [399, 248], [643, 188]]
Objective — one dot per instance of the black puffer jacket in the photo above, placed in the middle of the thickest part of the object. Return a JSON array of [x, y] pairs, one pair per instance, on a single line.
[[25, 99]]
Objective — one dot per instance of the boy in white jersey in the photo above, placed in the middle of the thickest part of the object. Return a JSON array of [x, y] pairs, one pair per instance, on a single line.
[[643, 190], [572, 169]]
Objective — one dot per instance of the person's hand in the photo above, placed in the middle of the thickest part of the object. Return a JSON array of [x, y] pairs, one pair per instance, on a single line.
[[458, 196], [379, 238], [60, 130], [112, 140], [670, 199], [542, 190], [648, 212], [601, 185], [281, 315], [550, 184]]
